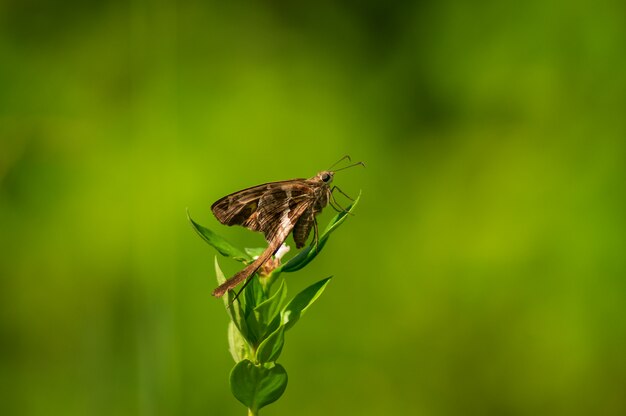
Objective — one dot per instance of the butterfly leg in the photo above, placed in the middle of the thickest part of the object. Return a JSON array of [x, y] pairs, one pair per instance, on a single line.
[[332, 204], [332, 196], [342, 192]]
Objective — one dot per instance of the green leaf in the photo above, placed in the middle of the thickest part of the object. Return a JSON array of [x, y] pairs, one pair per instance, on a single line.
[[271, 347], [257, 386], [254, 252], [222, 246], [234, 309], [301, 302], [260, 319], [254, 295], [308, 254], [341, 217], [273, 326], [267, 310], [237, 344]]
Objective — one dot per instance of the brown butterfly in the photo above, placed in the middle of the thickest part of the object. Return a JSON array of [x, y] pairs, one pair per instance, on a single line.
[[277, 209]]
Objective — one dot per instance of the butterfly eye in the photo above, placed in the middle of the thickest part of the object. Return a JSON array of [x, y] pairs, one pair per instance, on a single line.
[[325, 177]]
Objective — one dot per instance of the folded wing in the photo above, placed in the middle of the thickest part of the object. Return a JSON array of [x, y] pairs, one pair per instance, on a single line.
[[261, 207]]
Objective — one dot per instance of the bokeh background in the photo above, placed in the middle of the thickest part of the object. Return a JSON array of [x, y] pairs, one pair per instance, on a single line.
[[484, 272]]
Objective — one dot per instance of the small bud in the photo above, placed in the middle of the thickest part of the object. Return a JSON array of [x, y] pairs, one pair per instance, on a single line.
[[284, 249], [274, 262]]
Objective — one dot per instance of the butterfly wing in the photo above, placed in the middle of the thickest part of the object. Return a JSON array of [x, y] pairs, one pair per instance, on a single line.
[[261, 208], [276, 212], [279, 230]]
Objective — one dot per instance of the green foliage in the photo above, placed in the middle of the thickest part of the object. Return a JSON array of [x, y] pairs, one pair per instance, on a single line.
[[261, 316], [221, 245], [299, 304], [309, 253], [257, 386]]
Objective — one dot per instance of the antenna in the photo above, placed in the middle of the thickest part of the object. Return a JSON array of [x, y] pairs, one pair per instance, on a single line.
[[340, 160], [349, 166]]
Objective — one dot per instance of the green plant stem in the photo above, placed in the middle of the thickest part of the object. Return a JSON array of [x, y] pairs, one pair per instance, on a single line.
[[252, 413]]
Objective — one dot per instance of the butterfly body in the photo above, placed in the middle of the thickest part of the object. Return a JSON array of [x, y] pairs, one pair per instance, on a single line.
[[276, 209]]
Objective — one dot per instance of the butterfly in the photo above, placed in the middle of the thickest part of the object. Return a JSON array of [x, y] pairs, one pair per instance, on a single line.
[[277, 209]]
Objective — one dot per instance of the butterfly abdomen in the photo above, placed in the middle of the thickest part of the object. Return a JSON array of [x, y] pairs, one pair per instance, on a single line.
[[303, 227]]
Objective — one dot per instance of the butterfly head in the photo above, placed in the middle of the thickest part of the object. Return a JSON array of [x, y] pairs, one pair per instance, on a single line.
[[326, 176]]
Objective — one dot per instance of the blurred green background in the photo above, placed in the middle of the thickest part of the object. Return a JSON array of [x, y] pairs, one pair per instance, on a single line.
[[484, 272]]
